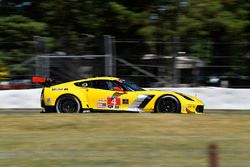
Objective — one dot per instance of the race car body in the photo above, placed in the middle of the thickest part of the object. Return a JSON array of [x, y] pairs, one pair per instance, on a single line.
[[113, 94]]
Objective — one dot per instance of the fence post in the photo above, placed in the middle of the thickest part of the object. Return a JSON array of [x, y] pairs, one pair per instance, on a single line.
[[42, 63], [175, 54], [114, 56], [213, 155], [108, 55]]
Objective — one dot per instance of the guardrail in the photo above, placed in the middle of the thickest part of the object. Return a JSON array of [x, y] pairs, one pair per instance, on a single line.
[[213, 97], [218, 98]]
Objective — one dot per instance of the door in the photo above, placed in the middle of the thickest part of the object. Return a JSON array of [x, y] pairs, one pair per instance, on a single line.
[[109, 95]]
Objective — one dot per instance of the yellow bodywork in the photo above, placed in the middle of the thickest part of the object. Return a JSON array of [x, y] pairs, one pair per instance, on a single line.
[[103, 100]]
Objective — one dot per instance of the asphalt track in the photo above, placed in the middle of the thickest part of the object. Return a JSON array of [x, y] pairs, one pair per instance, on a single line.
[[37, 111]]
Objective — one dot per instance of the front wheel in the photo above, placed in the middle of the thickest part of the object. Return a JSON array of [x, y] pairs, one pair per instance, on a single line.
[[168, 104], [68, 104]]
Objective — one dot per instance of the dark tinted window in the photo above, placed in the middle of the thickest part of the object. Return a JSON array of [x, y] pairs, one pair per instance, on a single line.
[[100, 84], [127, 86], [103, 84], [120, 85], [84, 84]]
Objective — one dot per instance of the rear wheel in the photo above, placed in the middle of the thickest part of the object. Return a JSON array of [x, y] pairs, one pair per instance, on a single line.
[[168, 104], [68, 104]]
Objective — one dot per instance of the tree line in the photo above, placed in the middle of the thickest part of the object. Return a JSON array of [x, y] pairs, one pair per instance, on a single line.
[[72, 25]]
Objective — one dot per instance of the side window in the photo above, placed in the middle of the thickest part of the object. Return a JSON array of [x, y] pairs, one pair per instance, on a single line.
[[111, 85], [100, 84], [104, 84], [121, 85], [83, 84]]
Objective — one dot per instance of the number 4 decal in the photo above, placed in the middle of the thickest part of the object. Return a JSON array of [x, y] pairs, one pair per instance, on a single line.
[[114, 102]]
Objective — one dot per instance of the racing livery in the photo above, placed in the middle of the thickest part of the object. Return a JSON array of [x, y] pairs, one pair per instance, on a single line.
[[112, 94]]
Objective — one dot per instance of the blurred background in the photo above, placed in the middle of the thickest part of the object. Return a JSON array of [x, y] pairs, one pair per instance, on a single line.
[[156, 43]]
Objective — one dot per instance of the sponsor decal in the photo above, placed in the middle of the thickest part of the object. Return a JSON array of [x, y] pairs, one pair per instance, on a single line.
[[113, 107], [102, 101], [59, 89], [48, 100], [125, 101], [84, 84], [101, 105], [114, 102]]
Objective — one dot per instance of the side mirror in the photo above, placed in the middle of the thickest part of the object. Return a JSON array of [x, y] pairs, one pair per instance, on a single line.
[[118, 89]]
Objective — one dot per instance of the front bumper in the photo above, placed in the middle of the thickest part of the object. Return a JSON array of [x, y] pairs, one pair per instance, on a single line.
[[200, 108], [193, 109]]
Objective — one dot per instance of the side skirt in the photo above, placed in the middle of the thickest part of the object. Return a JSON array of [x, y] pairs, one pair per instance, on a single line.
[[113, 111]]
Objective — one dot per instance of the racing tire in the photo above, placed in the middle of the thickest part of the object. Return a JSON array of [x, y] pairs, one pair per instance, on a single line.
[[168, 104], [68, 104]]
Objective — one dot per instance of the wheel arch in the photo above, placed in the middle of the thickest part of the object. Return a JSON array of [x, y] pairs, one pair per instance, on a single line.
[[156, 102], [81, 97], [69, 95]]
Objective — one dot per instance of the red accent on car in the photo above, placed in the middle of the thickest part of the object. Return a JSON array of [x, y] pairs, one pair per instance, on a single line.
[[38, 80], [120, 80], [114, 101], [116, 88]]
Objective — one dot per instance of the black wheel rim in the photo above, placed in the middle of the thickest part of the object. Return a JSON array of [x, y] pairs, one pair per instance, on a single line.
[[167, 105], [68, 106]]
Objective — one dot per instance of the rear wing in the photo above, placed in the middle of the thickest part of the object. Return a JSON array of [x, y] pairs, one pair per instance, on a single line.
[[46, 82]]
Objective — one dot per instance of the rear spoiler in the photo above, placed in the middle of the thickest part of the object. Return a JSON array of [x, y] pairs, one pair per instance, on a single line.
[[46, 82]]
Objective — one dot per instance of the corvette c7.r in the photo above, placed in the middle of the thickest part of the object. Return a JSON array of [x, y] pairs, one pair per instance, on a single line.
[[112, 94]]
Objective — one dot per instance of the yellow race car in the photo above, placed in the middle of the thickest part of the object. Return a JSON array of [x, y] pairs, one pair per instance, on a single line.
[[112, 94]]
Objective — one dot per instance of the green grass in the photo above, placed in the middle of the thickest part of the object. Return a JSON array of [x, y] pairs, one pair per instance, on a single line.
[[146, 140]]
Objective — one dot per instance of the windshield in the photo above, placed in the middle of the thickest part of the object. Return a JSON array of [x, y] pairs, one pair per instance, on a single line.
[[130, 86]]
